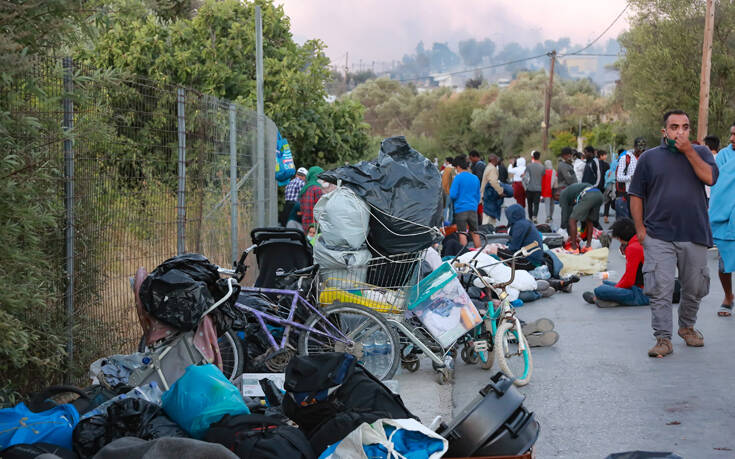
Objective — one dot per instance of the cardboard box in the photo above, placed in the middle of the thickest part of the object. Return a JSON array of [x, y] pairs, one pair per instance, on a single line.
[[249, 384]]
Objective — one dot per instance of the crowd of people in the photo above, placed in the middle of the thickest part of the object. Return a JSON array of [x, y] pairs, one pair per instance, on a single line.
[[671, 204]]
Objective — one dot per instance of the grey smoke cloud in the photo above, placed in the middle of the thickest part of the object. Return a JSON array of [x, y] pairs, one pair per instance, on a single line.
[[384, 30]]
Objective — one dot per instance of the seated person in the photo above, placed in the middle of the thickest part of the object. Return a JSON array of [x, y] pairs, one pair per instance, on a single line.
[[580, 202], [629, 289], [522, 232]]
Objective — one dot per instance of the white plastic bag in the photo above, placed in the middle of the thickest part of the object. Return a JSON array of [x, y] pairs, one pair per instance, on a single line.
[[341, 264], [343, 219], [351, 447], [498, 272]]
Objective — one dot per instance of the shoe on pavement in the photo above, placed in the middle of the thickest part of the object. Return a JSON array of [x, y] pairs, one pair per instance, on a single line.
[[662, 348], [589, 297], [542, 339], [691, 337], [539, 325], [547, 292], [605, 303], [567, 288]]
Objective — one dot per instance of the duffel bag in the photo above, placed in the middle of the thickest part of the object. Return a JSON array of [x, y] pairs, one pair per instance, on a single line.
[[320, 386], [259, 436]]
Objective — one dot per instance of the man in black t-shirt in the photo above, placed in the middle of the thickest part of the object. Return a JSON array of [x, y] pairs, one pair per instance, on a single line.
[[669, 208]]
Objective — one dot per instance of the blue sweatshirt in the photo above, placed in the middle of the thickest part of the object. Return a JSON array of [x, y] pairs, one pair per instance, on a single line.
[[522, 232], [465, 192]]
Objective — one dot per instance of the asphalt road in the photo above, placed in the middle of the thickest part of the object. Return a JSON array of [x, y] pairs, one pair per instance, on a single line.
[[597, 392]]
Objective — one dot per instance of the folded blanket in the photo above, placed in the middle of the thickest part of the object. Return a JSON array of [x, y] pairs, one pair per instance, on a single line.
[[591, 262]]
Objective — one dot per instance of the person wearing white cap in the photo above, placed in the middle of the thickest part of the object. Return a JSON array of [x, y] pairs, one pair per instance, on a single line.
[[293, 190]]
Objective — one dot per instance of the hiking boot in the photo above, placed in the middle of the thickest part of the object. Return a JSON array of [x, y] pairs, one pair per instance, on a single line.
[[605, 303], [662, 348], [691, 337], [589, 297]]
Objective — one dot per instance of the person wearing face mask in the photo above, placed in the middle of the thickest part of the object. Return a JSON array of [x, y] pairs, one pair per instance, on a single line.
[[674, 229]]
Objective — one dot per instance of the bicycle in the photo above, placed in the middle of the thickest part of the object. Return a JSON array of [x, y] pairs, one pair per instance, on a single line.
[[340, 327], [500, 337]]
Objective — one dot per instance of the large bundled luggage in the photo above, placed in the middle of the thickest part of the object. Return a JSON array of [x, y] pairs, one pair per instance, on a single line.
[[403, 190], [329, 395]]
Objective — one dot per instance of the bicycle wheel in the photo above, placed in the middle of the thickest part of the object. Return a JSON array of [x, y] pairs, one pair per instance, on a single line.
[[512, 361], [230, 349], [233, 358], [378, 347]]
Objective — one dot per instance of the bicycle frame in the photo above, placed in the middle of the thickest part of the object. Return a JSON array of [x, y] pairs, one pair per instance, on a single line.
[[289, 323]]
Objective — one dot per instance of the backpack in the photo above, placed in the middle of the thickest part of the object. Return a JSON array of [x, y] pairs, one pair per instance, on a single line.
[[319, 387], [259, 436]]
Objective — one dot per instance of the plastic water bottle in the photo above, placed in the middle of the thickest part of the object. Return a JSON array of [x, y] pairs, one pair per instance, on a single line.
[[149, 392], [381, 349], [605, 275], [368, 351]]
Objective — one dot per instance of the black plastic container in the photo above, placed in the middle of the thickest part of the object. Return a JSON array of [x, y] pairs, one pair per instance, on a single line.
[[479, 421], [516, 436]]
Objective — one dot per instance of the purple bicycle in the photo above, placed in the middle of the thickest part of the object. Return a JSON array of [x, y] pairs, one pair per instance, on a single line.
[[305, 329]]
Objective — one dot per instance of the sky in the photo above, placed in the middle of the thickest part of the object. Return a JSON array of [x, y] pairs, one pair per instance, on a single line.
[[383, 30]]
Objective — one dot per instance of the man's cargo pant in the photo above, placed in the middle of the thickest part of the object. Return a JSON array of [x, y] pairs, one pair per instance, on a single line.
[[661, 260]]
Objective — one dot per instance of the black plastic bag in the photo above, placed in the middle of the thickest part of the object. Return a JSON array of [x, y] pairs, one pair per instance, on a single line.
[[129, 417], [182, 288], [403, 189]]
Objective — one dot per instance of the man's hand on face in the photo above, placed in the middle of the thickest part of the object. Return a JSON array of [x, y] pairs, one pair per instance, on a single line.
[[683, 144]]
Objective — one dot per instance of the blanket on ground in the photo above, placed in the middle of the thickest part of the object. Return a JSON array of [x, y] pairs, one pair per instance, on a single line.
[[591, 262]]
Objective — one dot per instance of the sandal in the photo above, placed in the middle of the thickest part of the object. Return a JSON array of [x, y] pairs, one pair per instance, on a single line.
[[725, 310]]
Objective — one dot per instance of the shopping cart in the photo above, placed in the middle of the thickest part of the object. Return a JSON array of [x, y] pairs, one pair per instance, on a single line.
[[389, 285]]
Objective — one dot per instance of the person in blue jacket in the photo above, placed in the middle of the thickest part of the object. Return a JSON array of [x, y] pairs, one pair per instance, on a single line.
[[522, 232], [465, 195]]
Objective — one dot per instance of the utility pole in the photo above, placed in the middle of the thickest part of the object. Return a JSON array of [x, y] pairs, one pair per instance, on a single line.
[[703, 118], [547, 109], [260, 123]]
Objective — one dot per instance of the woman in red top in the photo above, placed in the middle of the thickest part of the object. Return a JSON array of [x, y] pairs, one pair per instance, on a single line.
[[310, 194], [628, 291], [548, 185]]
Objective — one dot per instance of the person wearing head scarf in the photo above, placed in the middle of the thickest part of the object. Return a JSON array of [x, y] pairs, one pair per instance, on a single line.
[[310, 194]]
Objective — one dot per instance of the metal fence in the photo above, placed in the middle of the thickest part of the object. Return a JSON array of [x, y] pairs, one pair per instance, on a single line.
[[149, 171]]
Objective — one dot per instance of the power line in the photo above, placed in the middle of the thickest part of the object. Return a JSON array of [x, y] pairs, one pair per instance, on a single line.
[[479, 68], [599, 36]]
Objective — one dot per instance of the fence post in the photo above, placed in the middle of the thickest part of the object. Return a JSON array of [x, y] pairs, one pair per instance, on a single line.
[[181, 206], [233, 184], [68, 65], [260, 134]]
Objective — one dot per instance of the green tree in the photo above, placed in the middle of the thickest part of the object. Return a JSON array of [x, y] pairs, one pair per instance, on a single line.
[[214, 52], [560, 140], [31, 328], [660, 67]]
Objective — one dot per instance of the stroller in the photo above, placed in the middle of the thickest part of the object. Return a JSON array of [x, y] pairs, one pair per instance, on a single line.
[[278, 251], [169, 351]]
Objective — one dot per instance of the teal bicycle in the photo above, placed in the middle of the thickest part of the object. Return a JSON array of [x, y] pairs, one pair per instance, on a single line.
[[500, 337]]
